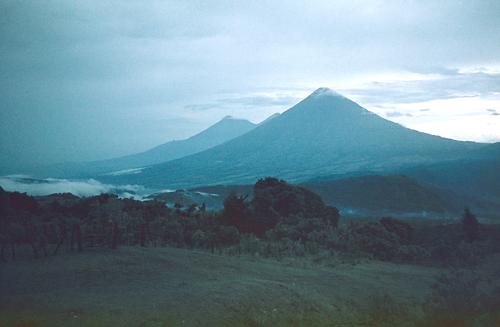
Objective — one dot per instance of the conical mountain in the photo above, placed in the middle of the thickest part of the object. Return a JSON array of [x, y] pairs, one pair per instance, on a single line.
[[324, 134], [268, 119], [222, 131]]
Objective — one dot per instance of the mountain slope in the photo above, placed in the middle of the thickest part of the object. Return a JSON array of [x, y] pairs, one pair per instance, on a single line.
[[380, 194], [363, 195], [325, 134], [475, 177], [222, 131]]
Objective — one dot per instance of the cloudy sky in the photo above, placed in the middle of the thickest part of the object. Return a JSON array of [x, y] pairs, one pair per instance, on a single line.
[[85, 80]]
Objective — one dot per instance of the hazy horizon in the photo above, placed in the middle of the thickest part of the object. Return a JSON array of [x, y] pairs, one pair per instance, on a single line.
[[95, 80]]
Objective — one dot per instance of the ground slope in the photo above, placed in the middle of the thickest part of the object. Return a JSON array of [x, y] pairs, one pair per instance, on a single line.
[[173, 287]]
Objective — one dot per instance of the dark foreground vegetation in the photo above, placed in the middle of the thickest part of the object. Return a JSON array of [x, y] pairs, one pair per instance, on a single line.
[[282, 222]]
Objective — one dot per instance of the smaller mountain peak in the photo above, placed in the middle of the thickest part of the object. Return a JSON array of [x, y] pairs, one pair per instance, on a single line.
[[324, 91], [228, 117]]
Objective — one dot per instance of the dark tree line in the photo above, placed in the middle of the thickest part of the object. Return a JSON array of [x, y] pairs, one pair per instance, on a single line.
[[280, 219]]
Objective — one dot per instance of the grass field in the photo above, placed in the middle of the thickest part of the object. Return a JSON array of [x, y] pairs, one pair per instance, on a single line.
[[173, 287]]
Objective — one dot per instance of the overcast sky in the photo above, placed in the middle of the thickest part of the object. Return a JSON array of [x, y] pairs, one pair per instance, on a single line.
[[84, 80]]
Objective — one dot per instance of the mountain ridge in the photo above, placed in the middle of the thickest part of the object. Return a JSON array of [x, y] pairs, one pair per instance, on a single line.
[[218, 133], [326, 133]]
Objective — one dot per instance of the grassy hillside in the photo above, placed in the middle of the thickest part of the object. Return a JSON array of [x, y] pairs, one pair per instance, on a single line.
[[281, 259], [173, 287]]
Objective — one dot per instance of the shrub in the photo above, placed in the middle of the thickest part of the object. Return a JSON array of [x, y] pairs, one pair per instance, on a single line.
[[402, 229], [227, 235], [200, 239], [249, 243], [374, 239]]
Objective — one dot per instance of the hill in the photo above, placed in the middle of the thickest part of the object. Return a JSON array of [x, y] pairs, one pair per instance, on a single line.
[[380, 194], [371, 195]]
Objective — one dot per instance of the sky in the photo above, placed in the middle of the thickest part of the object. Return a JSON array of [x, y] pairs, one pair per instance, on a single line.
[[87, 80]]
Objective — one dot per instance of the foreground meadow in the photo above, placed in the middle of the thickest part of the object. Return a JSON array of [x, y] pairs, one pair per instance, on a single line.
[[176, 287]]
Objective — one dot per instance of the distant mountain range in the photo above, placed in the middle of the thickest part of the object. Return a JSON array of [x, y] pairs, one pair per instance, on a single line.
[[222, 131], [349, 155], [325, 136]]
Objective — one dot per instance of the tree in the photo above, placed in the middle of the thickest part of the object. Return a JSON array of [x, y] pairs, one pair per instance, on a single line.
[[236, 213], [332, 216], [470, 226], [115, 235], [402, 229], [277, 201]]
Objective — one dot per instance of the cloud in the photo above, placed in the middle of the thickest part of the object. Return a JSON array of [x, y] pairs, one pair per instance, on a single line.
[[77, 77], [439, 101], [493, 112], [247, 102], [260, 101], [393, 114], [432, 86], [83, 188]]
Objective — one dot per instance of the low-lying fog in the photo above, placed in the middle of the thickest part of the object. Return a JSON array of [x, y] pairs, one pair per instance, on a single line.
[[89, 187]]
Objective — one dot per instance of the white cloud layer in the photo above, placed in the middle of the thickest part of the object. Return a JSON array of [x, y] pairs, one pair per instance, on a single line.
[[82, 188]]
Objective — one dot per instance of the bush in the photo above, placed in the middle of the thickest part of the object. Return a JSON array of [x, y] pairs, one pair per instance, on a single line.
[[249, 243], [200, 239], [402, 229], [227, 235], [373, 239]]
